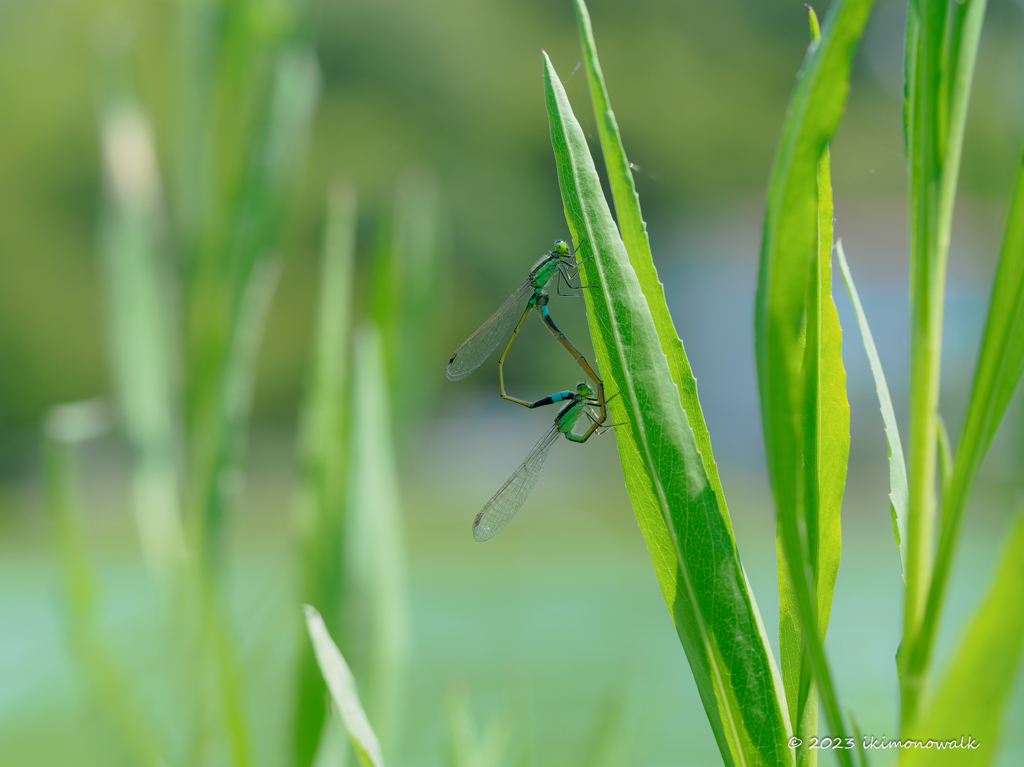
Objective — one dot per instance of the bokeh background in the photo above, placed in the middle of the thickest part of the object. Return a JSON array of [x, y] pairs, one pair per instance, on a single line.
[[552, 640]]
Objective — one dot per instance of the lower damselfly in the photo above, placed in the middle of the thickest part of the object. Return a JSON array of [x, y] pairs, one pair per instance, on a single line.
[[580, 404]]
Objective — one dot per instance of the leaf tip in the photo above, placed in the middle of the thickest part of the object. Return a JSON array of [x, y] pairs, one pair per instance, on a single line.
[[815, 28]]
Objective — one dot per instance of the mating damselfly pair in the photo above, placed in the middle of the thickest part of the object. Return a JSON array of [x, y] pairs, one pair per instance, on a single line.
[[583, 404]]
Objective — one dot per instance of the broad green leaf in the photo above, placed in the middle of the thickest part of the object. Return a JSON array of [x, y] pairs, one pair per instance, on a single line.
[[343, 690], [634, 237], [791, 235], [898, 492], [970, 699], [687, 533], [1000, 365], [323, 459], [826, 451]]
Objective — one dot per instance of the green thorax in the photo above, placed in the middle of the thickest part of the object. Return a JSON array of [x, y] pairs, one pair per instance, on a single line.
[[544, 270], [570, 414]]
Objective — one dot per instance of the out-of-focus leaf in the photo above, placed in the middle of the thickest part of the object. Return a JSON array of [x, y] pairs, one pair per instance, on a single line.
[[634, 237], [231, 272], [688, 535], [610, 741], [898, 492], [66, 428], [790, 242], [377, 620], [858, 736], [467, 747], [970, 699], [406, 278], [323, 461], [143, 355], [343, 690]]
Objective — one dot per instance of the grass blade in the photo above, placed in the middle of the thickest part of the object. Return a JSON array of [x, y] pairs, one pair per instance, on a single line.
[[634, 237], [231, 270], [415, 286], [343, 690], [942, 46], [971, 697], [324, 459], [139, 324], [377, 634], [66, 428], [791, 234], [898, 491], [1000, 365], [688, 535], [941, 52]]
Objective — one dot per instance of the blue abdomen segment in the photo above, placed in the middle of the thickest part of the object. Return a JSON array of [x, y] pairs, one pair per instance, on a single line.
[[558, 397]]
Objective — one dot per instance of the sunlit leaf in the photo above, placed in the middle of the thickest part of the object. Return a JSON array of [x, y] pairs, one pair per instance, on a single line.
[[688, 535], [634, 237], [789, 246]]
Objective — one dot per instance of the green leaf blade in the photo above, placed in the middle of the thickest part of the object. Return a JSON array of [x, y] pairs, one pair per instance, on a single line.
[[971, 697], [898, 491], [633, 230], [688, 536], [827, 448], [324, 459], [786, 323], [999, 369], [343, 690]]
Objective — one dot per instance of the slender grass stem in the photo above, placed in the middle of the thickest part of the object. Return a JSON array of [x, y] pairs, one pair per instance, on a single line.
[[942, 50]]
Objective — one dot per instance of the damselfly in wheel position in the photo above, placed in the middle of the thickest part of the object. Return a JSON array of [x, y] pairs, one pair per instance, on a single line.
[[556, 265], [510, 497]]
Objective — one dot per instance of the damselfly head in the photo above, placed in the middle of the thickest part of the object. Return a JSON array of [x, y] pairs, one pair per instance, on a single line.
[[561, 248], [583, 390]]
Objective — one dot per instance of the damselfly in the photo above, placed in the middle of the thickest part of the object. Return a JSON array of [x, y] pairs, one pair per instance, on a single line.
[[580, 404], [556, 265]]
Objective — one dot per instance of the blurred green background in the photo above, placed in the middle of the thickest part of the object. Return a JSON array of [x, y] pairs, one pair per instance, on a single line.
[[555, 632]]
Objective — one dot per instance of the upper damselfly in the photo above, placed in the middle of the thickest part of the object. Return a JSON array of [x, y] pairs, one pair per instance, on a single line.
[[559, 264]]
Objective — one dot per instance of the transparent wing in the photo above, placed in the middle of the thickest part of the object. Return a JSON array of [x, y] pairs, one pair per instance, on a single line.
[[483, 342], [506, 502]]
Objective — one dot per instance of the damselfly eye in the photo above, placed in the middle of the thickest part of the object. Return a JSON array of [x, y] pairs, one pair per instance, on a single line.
[[561, 247]]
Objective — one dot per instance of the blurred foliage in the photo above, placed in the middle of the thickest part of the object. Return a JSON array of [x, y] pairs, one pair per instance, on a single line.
[[700, 88]]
